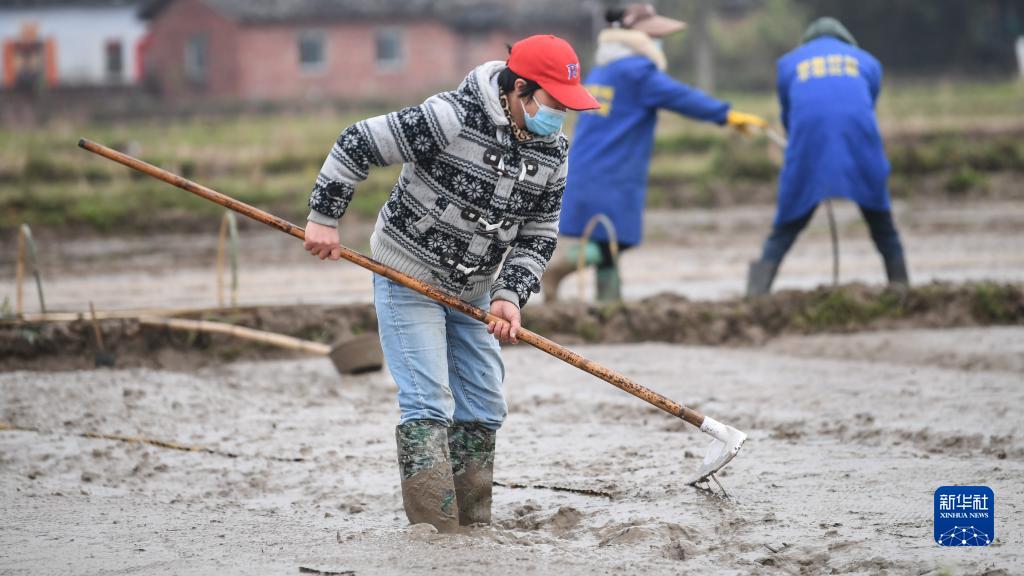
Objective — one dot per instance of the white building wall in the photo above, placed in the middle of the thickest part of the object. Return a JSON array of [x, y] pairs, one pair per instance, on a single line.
[[81, 36], [1020, 55]]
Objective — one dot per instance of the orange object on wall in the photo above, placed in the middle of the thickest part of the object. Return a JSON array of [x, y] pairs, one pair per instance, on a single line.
[[50, 58], [28, 61], [8, 64]]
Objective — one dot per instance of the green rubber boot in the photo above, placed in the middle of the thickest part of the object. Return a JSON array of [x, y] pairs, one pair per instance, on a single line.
[[428, 489], [609, 285], [472, 451], [565, 263]]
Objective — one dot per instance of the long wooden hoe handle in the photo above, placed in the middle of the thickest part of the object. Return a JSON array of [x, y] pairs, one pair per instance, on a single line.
[[532, 338]]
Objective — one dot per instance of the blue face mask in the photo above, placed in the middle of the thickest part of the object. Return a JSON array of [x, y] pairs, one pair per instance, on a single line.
[[546, 121]]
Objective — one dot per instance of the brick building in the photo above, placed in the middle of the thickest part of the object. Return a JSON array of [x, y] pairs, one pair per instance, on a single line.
[[337, 49]]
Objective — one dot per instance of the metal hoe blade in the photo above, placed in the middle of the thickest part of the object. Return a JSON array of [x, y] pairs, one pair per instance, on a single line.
[[726, 442]]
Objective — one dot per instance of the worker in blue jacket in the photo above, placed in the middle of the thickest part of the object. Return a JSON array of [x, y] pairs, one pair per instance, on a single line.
[[827, 91], [611, 150]]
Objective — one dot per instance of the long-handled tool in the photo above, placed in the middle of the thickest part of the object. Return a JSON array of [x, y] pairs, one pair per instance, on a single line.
[[781, 142], [726, 439], [354, 356]]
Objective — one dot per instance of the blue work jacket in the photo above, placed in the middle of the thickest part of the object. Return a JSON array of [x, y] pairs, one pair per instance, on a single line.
[[827, 91], [611, 146]]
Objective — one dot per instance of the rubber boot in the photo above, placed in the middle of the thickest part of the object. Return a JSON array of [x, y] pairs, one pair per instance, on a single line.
[[896, 271], [472, 450], [760, 277], [565, 263], [609, 286], [428, 489]]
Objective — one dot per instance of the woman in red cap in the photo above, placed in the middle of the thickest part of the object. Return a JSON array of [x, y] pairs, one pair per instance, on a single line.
[[484, 170]]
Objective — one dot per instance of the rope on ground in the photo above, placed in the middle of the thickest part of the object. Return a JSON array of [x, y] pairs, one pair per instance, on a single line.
[[155, 442]]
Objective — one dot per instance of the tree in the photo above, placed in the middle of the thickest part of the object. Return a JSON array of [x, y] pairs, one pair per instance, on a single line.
[[966, 36]]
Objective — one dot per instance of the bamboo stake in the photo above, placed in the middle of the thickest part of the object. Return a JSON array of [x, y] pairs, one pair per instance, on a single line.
[[19, 307]]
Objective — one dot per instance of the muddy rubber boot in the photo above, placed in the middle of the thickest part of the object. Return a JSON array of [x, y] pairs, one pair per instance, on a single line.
[[609, 286], [760, 277], [896, 271], [472, 450], [428, 490]]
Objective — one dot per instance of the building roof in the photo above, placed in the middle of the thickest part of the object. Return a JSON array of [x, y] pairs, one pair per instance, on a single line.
[[287, 10], [22, 4], [463, 14]]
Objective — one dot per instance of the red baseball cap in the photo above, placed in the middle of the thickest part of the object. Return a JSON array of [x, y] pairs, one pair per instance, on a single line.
[[551, 62]]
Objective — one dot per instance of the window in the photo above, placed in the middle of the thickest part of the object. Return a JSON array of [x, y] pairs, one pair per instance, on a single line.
[[197, 58], [311, 51], [389, 48], [114, 56]]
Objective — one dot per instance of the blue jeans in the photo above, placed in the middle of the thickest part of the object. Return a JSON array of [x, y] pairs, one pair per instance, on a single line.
[[447, 367], [883, 233]]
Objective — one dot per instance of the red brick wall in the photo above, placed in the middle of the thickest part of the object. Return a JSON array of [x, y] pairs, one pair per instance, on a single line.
[[164, 57], [270, 64], [478, 48], [259, 62]]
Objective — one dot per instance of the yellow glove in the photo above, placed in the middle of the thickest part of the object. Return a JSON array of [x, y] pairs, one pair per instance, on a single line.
[[744, 122]]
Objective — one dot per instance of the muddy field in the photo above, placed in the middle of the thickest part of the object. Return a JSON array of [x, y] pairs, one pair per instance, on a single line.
[[859, 404], [837, 477], [697, 253], [827, 311]]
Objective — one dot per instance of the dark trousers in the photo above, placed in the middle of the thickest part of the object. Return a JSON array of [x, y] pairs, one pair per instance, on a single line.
[[607, 262], [883, 233]]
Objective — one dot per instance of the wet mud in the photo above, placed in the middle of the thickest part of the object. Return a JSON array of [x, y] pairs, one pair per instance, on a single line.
[[663, 318], [837, 477]]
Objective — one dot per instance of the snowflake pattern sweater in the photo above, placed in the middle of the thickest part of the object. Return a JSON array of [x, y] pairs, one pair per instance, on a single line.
[[468, 191]]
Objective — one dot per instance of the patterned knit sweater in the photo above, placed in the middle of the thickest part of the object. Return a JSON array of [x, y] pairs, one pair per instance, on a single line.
[[468, 191]]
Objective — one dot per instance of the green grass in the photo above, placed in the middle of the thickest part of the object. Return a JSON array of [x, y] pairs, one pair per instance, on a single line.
[[272, 160], [935, 102], [995, 303], [268, 161], [839, 309]]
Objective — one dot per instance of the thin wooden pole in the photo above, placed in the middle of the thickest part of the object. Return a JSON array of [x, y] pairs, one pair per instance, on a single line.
[[96, 329], [835, 241], [19, 307], [228, 233], [221, 236], [27, 246], [34, 257]]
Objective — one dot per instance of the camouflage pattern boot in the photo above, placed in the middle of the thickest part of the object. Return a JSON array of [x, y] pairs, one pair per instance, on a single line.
[[472, 451], [428, 490]]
